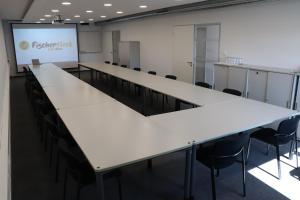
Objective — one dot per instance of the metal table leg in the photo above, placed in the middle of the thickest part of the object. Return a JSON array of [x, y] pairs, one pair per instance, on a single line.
[[187, 174], [144, 107], [100, 186], [193, 171], [79, 73], [92, 76]]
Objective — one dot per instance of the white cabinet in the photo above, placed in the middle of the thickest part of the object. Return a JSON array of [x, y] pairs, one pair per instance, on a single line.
[[280, 89], [237, 79], [129, 54], [257, 85], [220, 77]]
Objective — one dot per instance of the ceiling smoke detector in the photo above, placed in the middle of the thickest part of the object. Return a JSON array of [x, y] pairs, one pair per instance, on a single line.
[[58, 20]]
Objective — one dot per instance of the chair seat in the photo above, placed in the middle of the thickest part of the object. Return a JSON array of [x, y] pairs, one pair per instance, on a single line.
[[265, 135]]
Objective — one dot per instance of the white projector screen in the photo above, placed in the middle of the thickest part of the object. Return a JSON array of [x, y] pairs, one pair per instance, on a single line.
[[46, 42]]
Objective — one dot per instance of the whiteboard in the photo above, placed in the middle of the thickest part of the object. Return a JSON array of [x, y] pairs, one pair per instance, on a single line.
[[89, 42]]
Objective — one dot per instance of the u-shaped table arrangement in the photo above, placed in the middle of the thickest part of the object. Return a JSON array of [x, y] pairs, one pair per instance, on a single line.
[[112, 135]]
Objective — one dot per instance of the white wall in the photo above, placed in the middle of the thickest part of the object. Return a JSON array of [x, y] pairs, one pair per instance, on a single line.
[[266, 33], [4, 122]]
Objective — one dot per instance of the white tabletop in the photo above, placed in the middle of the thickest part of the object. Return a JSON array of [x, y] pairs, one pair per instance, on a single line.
[[219, 120], [75, 95], [178, 89], [51, 75], [112, 135]]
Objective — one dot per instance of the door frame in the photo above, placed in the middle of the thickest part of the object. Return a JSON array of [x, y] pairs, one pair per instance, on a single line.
[[204, 25]]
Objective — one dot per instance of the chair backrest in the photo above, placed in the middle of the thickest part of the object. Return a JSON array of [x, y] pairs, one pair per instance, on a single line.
[[137, 69], [203, 84], [286, 130], [152, 72], [50, 123], [107, 62], [124, 66], [232, 91], [25, 70], [226, 150], [35, 62], [115, 64], [71, 159], [171, 77]]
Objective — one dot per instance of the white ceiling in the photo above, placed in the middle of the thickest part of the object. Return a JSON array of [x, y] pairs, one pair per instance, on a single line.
[[40, 8], [13, 9]]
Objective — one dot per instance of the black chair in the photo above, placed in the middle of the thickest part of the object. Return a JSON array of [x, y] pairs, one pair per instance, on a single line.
[[164, 96], [124, 81], [203, 84], [222, 154], [137, 88], [286, 133], [116, 64], [107, 62], [81, 171], [153, 91], [232, 91], [152, 72], [171, 77]]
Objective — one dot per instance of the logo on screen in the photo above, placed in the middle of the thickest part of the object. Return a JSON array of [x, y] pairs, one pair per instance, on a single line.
[[24, 45]]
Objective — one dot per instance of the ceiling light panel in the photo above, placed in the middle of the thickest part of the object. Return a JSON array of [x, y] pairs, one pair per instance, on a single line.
[[108, 8]]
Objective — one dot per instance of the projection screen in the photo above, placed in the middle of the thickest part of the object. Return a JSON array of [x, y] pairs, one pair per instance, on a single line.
[[48, 43]]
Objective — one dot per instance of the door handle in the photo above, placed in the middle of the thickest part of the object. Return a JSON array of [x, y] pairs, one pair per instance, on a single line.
[[190, 63]]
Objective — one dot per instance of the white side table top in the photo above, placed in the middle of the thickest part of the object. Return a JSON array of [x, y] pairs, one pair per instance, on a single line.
[[112, 135], [75, 95], [219, 120], [178, 89]]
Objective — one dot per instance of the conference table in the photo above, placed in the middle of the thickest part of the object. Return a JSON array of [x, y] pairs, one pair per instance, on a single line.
[[112, 135], [180, 90]]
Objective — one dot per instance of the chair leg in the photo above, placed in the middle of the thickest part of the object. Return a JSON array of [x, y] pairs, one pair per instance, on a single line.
[[163, 103], [65, 184], [120, 188], [248, 149], [244, 172], [78, 191], [149, 163], [213, 184], [268, 149], [296, 146], [57, 166], [51, 152], [278, 162], [291, 150], [218, 173]]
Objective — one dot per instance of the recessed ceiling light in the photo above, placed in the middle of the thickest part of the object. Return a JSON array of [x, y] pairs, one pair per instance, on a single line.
[[66, 3], [120, 12], [55, 11], [38, 22], [107, 4], [89, 11], [103, 16], [42, 19], [47, 16], [91, 19], [143, 6], [68, 19], [77, 16], [81, 22]]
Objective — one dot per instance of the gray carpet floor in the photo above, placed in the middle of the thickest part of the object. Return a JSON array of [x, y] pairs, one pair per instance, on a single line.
[[33, 179]]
